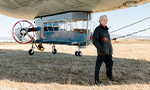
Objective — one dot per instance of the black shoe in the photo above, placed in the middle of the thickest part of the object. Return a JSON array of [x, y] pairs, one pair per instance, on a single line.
[[113, 80], [98, 82]]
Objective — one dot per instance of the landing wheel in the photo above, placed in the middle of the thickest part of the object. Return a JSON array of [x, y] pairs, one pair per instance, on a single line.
[[78, 53], [31, 52], [54, 51]]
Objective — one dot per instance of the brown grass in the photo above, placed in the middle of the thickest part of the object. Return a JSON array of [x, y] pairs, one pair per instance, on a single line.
[[45, 71]]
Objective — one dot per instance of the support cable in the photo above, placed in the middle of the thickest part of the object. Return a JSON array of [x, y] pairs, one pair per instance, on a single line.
[[129, 25], [131, 33]]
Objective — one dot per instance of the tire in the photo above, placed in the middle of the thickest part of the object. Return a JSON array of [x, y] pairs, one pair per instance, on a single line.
[[80, 53], [30, 52], [54, 51], [76, 53]]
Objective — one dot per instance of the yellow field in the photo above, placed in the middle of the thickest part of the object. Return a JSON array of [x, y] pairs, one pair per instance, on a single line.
[[65, 71]]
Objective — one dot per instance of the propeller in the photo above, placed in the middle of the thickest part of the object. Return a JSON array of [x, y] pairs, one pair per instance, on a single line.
[[23, 32]]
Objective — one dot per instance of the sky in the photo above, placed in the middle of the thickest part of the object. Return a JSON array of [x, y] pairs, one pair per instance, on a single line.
[[116, 19], [124, 17]]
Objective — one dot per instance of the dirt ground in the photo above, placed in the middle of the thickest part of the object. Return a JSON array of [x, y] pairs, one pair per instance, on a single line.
[[44, 70]]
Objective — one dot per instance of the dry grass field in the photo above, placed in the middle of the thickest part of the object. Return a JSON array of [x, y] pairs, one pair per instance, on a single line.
[[65, 71]]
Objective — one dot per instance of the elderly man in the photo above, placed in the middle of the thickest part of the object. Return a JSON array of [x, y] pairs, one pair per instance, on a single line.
[[102, 42]]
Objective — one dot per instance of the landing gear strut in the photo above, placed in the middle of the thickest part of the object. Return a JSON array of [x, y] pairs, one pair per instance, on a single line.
[[39, 47], [78, 53], [31, 51], [54, 51]]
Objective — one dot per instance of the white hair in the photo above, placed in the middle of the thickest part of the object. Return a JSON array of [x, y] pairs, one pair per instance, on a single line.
[[101, 17]]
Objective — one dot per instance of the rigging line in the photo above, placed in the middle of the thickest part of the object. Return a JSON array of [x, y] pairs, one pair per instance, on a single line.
[[131, 33], [114, 15], [123, 16], [130, 25]]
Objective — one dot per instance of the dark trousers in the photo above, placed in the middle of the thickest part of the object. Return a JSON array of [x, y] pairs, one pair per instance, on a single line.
[[108, 62]]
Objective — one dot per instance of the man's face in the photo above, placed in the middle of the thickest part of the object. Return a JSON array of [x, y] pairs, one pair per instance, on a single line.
[[104, 21]]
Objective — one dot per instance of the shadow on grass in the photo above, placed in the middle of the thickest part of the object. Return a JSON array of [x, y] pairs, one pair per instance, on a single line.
[[44, 67]]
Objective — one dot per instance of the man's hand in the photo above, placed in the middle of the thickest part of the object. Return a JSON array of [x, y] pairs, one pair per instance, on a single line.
[[105, 53]]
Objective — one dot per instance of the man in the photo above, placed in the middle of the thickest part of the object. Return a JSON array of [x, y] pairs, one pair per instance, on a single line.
[[102, 42]]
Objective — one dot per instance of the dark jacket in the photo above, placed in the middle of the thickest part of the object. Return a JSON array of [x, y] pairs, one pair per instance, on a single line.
[[102, 41]]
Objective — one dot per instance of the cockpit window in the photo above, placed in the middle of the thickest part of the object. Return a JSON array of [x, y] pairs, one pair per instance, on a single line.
[[53, 25]]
